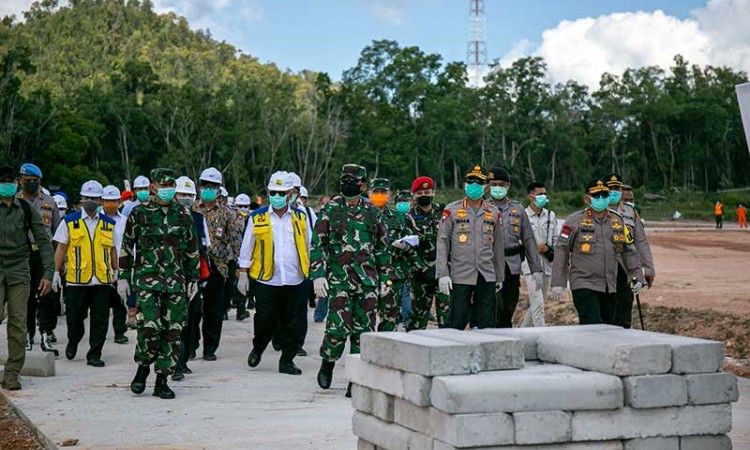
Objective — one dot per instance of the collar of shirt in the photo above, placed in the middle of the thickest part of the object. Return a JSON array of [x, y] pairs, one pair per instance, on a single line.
[[88, 218]]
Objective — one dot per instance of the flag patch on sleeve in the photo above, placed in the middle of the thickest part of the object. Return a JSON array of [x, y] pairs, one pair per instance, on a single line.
[[565, 233]]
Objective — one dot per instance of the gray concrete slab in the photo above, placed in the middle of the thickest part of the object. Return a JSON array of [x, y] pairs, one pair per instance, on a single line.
[[223, 404], [740, 433]]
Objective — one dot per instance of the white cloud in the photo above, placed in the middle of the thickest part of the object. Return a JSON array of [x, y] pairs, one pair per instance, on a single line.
[[14, 7], [391, 11]]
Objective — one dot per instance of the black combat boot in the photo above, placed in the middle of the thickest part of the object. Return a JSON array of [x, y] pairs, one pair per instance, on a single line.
[[138, 385], [289, 368], [161, 389], [325, 374]]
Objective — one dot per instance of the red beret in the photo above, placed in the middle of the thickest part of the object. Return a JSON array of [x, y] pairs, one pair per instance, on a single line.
[[126, 195], [422, 183]]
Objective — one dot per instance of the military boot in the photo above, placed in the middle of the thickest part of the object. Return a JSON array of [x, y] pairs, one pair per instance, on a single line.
[[138, 385], [161, 389], [10, 381], [325, 374]]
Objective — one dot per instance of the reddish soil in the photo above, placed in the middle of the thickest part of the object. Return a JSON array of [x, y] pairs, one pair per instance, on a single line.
[[14, 435]]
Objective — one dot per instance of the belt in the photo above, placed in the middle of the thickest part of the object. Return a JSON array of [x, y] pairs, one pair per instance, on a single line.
[[514, 251]]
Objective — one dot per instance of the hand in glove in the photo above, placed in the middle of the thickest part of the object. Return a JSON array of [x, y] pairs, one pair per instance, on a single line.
[[445, 285], [636, 287], [557, 293], [123, 289], [320, 286], [192, 289], [243, 283], [498, 286], [385, 290], [399, 244], [537, 280], [56, 282]]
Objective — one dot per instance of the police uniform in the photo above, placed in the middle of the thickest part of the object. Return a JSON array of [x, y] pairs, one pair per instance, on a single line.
[[587, 254], [470, 250]]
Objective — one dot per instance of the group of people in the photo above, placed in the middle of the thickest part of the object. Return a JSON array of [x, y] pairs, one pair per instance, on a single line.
[[176, 253], [719, 215]]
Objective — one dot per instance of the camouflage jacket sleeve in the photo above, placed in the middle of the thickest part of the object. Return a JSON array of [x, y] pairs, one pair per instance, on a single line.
[[412, 255], [126, 261], [191, 258], [382, 252], [319, 248]]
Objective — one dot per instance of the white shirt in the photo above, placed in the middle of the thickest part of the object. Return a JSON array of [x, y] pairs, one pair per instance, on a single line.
[[286, 265], [120, 221], [62, 236], [543, 234]]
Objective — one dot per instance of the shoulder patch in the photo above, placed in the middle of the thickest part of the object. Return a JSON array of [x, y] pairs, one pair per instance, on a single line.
[[446, 214], [565, 233]]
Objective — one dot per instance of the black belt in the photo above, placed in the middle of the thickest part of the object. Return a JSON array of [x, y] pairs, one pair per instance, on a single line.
[[514, 251]]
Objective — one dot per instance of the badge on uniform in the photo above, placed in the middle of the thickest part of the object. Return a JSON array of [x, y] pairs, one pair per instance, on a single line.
[[446, 214], [488, 215], [219, 232], [463, 238], [586, 248], [515, 229], [461, 213]]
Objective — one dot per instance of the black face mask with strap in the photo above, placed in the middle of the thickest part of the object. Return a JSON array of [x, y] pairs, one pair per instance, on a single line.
[[424, 200]]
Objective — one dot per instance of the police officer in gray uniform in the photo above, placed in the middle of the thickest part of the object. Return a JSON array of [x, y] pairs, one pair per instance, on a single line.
[[470, 263], [586, 254], [520, 245], [623, 314]]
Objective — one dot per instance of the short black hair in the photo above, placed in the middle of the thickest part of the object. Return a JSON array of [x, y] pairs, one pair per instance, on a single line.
[[534, 185]]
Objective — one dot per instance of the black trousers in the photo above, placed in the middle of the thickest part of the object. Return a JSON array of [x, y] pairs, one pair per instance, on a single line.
[[624, 308], [119, 314], [507, 299], [476, 300], [594, 307], [79, 301], [230, 286], [300, 330], [46, 308], [213, 312], [190, 334], [276, 312]]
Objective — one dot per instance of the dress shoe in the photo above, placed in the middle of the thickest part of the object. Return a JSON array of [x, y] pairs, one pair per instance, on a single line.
[[70, 352], [161, 389], [209, 357], [301, 352], [276, 345], [138, 385], [325, 374], [253, 359], [289, 368], [95, 363], [242, 315], [121, 339]]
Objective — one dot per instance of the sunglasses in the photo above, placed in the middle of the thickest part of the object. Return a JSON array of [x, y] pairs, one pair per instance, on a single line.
[[600, 195], [475, 181], [273, 193]]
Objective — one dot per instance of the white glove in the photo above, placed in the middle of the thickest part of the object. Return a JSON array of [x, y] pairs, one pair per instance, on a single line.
[[636, 287], [243, 283], [192, 289], [445, 285], [537, 280], [399, 244], [385, 290], [56, 282], [320, 286], [557, 293], [123, 289], [412, 240], [498, 286]]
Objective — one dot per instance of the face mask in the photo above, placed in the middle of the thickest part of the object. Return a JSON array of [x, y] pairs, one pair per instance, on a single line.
[[379, 199], [277, 201], [498, 192], [142, 195], [244, 209], [31, 187], [165, 194], [350, 189], [293, 200], [403, 207], [424, 200], [614, 197], [474, 191], [208, 194], [8, 190], [90, 206], [185, 201], [599, 204], [541, 200]]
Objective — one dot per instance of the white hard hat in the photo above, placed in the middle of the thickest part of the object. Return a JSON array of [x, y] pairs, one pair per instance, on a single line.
[[111, 193], [92, 188], [296, 180], [242, 200], [45, 190], [212, 175], [224, 192], [140, 182], [280, 181], [60, 202], [303, 192], [185, 186]]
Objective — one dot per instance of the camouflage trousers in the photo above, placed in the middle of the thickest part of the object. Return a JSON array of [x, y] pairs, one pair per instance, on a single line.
[[350, 313], [389, 308], [421, 304], [159, 321]]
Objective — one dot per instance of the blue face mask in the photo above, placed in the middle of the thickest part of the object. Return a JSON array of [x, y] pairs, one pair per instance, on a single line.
[[599, 204], [498, 192], [208, 194], [474, 191], [8, 190], [541, 200], [142, 195], [614, 197], [403, 207], [277, 201], [165, 194]]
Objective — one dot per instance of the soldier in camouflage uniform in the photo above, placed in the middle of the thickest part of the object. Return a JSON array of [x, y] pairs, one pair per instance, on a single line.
[[404, 256], [350, 253], [424, 219], [160, 255]]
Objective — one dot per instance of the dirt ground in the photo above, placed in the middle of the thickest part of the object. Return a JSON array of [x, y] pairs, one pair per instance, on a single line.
[[14, 435]]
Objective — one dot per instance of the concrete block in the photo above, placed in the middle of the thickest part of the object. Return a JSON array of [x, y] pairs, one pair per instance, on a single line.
[[530, 336], [421, 354], [689, 355], [472, 430], [629, 423], [388, 435], [712, 388], [540, 367], [609, 445], [657, 443], [374, 377], [382, 406], [705, 443], [362, 399], [498, 352], [38, 364], [507, 391], [606, 352], [655, 391], [364, 445], [542, 427], [417, 389], [414, 417]]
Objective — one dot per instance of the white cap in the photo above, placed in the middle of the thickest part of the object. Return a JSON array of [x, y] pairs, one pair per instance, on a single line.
[[141, 182], [185, 186], [242, 200], [224, 192], [295, 179], [280, 181], [303, 192], [111, 193], [212, 175], [92, 188], [61, 202]]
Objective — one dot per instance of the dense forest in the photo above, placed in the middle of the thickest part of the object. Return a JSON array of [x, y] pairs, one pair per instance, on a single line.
[[108, 89]]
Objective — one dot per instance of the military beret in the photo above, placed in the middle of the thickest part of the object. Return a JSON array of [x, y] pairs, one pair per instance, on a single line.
[[596, 186], [499, 174], [613, 180], [163, 175], [422, 183], [353, 170], [477, 172], [30, 170], [380, 183], [403, 195]]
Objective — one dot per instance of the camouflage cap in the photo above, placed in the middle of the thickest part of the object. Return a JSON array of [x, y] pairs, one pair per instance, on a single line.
[[380, 183], [403, 195], [354, 171], [163, 175]]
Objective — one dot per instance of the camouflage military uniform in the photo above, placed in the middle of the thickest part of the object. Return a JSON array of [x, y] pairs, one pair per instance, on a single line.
[[350, 249], [423, 282], [165, 262]]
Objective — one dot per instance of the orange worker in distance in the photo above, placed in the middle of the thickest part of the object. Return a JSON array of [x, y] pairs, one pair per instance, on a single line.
[[719, 215], [742, 215]]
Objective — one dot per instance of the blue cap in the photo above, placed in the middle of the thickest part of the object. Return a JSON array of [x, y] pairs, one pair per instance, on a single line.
[[30, 170]]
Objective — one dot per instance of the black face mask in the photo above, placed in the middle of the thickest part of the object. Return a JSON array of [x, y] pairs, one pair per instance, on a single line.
[[90, 206], [350, 188], [31, 187], [424, 200]]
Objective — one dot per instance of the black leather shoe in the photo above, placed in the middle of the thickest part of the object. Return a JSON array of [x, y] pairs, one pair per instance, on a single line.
[[348, 391], [95, 362], [325, 374], [253, 359], [70, 352], [242, 315], [138, 385], [186, 370], [161, 389], [276, 345], [121, 339], [209, 357], [178, 375], [289, 368], [301, 352]]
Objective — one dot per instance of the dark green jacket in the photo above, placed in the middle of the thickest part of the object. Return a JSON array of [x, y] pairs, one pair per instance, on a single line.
[[14, 244]]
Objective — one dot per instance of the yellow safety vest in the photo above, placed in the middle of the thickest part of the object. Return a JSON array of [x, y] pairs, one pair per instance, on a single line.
[[262, 265], [87, 256]]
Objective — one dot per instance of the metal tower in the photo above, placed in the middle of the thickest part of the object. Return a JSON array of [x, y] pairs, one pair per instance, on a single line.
[[476, 48]]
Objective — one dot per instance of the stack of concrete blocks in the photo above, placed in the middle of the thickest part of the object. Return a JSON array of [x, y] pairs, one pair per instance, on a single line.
[[593, 387]]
